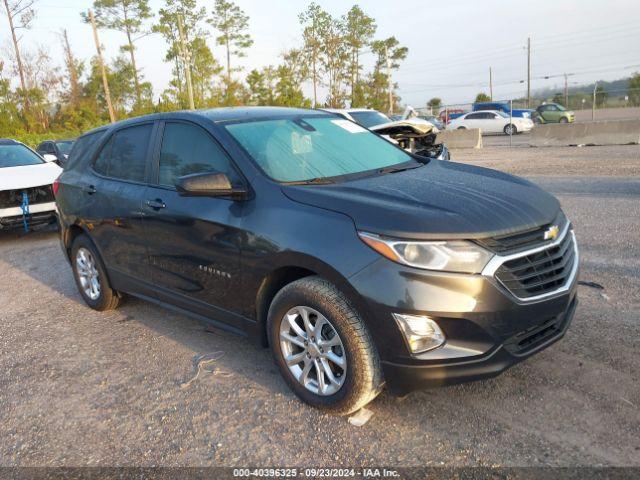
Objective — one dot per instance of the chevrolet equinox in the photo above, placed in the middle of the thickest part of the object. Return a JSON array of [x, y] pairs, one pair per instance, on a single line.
[[359, 264]]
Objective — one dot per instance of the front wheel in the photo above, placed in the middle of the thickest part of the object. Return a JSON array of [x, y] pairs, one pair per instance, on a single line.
[[462, 128], [322, 347], [510, 129], [564, 120]]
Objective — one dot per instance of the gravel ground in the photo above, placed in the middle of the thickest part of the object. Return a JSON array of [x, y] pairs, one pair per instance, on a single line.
[[78, 387]]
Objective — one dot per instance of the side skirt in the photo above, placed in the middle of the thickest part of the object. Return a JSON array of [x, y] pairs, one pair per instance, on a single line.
[[182, 304]]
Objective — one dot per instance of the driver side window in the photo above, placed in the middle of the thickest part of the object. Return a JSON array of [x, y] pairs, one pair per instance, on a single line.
[[188, 149]]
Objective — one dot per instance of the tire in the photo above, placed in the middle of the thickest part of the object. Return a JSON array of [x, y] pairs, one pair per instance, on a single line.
[[461, 128], [563, 120], [510, 129], [102, 298], [361, 377]]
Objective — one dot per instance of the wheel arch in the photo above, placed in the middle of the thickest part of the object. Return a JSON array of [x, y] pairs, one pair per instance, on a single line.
[[69, 234], [289, 270]]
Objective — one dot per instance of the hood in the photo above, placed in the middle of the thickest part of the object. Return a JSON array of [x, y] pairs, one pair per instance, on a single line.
[[27, 176], [436, 201], [416, 125]]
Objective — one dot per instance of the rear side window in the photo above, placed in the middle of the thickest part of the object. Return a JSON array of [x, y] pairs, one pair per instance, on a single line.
[[473, 116], [188, 149], [125, 154], [83, 147]]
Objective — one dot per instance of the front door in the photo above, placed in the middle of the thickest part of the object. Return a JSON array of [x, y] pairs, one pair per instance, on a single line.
[[193, 242]]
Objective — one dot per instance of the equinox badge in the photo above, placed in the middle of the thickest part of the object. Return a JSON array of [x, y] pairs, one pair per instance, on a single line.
[[552, 232]]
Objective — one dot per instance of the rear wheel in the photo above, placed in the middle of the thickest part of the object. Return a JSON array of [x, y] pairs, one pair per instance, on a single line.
[[322, 347], [462, 128], [510, 129], [91, 277]]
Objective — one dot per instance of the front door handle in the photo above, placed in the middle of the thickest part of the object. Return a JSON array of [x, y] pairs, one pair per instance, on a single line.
[[156, 204]]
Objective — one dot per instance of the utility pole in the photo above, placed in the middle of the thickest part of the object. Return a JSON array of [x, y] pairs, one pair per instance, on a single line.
[[71, 67], [566, 91], [105, 83], [390, 86], [593, 105], [186, 61], [529, 72], [490, 84]]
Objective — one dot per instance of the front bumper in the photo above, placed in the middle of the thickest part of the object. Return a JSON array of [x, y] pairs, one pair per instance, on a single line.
[[487, 328], [402, 378], [40, 214]]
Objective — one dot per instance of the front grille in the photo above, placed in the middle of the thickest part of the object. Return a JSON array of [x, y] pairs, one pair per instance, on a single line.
[[541, 272], [531, 338], [13, 198], [34, 220], [522, 240]]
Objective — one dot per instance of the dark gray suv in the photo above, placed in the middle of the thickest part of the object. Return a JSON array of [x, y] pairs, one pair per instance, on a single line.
[[358, 263]]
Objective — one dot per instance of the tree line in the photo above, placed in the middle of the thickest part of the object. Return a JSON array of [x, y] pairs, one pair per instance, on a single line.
[[40, 93]]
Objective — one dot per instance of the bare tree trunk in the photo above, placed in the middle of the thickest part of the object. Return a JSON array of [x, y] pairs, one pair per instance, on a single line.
[[136, 80], [228, 61], [23, 82], [73, 72], [186, 60], [105, 83], [315, 82]]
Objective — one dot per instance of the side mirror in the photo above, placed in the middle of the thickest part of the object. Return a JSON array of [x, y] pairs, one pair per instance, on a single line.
[[209, 185], [49, 158]]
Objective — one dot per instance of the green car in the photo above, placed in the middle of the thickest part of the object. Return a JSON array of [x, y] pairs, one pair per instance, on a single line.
[[553, 113]]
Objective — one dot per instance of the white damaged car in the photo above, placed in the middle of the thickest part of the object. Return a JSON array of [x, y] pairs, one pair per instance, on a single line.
[[415, 135], [26, 187]]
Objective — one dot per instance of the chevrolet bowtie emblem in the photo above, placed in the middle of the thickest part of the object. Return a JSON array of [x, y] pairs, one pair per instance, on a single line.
[[552, 232]]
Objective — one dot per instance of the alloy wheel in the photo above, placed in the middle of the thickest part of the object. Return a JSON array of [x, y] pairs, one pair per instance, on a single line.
[[88, 273], [313, 350]]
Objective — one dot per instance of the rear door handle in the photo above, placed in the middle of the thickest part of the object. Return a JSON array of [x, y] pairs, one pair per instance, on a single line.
[[90, 189], [156, 204]]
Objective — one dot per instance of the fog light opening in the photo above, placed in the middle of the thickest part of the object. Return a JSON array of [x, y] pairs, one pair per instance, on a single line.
[[420, 332]]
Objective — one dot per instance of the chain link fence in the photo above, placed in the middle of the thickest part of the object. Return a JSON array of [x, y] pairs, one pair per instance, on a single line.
[[587, 106]]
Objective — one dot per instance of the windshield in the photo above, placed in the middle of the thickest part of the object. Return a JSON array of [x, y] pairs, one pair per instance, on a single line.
[[65, 146], [17, 156], [560, 107], [503, 114], [370, 118], [297, 149]]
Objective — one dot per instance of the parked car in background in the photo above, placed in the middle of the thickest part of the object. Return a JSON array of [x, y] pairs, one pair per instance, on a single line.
[[26, 191], [449, 114], [503, 107], [358, 264], [492, 121], [413, 134], [55, 150], [553, 113]]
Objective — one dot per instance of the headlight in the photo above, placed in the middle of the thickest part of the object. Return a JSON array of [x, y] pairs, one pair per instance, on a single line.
[[420, 332], [448, 256]]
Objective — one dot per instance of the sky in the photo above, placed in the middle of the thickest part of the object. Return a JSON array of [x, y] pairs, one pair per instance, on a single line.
[[452, 44]]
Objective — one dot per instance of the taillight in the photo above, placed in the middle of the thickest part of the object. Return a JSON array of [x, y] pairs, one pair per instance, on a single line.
[[56, 186]]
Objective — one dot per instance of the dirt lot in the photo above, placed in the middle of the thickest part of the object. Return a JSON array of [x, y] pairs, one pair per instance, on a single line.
[[79, 387]]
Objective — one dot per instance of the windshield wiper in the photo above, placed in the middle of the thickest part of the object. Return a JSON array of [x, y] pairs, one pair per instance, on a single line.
[[313, 181], [398, 168]]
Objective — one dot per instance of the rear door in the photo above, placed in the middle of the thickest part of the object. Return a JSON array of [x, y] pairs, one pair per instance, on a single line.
[[113, 194], [193, 242], [473, 120]]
